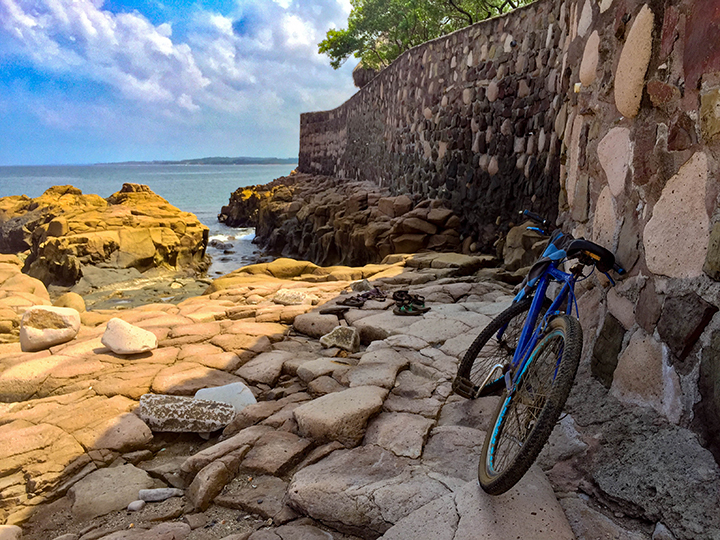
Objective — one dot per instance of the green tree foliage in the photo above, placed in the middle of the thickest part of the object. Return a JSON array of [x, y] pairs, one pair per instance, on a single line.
[[381, 30]]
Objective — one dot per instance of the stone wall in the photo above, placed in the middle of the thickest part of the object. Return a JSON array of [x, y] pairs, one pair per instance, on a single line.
[[468, 117], [609, 113]]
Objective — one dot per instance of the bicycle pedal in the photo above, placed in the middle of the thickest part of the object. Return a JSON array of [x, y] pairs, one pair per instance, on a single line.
[[464, 387]]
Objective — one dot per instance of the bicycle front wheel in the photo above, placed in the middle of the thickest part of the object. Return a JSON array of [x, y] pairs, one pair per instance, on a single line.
[[525, 418], [492, 348]]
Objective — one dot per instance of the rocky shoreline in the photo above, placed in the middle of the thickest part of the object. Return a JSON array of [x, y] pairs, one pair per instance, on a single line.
[[354, 432]]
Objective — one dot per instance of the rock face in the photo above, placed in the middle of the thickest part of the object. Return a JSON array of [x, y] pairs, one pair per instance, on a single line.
[[42, 327], [18, 293], [181, 414], [351, 223], [66, 230]]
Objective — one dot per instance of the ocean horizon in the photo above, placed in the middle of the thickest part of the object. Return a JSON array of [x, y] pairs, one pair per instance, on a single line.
[[200, 189]]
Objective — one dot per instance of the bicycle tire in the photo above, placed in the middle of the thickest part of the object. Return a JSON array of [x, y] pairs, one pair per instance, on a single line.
[[487, 351], [525, 419]]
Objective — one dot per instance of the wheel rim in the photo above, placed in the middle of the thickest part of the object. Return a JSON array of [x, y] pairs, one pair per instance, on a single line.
[[521, 410]]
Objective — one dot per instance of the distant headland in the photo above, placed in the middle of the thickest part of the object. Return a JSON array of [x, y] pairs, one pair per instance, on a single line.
[[213, 161]]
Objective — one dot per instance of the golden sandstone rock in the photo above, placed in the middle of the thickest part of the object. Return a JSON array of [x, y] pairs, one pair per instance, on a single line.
[[65, 230]]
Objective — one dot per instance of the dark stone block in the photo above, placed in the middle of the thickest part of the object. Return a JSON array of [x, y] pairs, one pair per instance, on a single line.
[[648, 307], [682, 134], [607, 348], [707, 411], [702, 41], [712, 261], [682, 321]]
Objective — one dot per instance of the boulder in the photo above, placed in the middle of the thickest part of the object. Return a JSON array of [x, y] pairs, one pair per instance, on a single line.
[[42, 327], [124, 338], [314, 324], [183, 414], [344, 337], [71, 300]]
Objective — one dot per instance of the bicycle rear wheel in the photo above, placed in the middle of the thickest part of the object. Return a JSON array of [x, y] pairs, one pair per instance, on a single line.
[[489, 350], [525, 419]]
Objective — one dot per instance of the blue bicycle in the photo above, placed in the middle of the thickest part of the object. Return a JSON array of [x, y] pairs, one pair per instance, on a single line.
[[530, 352]]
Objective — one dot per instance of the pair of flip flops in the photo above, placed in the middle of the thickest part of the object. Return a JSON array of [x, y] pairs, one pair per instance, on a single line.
[[360, 299], [407, 304]]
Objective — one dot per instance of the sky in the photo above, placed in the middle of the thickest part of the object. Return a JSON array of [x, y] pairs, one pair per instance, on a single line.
[[93, 81]]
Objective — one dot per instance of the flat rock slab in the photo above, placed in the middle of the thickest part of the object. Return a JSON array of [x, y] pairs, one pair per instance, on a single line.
[[186, 378], [315, 324], [265, 368], [362, 491], [454, 451], [107, 490], [529, 510], [375, 374], [291, 532], [184, 415], [340, 416], [401, 433], [262, 495], [275, 453]]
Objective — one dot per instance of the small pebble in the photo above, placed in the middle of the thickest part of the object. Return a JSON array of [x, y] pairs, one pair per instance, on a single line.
[[136, 506]]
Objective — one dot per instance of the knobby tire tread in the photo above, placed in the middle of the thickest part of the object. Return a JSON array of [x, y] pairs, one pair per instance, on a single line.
[[548, 417]]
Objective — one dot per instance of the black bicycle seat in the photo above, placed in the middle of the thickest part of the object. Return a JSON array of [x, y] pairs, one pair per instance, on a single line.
[[591, 253]]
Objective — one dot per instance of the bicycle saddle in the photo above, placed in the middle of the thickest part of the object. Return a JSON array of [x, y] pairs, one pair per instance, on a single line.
[[591, 253]]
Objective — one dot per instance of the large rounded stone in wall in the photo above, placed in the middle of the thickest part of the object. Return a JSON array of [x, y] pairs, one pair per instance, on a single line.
[[605, 222], [644, 378], [633, 64], [588, 66], [585, 19], [676, 238], [615, 153]]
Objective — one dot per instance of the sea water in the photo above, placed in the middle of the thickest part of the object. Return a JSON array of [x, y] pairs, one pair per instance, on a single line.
[[200, 189]]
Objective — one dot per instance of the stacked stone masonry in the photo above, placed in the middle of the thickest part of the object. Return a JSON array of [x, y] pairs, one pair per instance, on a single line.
[[606, 114]]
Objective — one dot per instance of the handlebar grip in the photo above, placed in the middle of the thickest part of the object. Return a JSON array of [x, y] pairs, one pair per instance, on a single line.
[[535, 217]]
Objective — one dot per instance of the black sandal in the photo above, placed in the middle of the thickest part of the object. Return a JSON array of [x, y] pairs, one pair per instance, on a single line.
[[353, 301]]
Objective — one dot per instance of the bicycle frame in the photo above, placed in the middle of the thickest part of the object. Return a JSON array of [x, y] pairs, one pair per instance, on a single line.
[[531, 332]]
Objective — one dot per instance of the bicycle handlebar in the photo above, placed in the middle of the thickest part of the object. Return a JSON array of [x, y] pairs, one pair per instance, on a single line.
[[535, 217]]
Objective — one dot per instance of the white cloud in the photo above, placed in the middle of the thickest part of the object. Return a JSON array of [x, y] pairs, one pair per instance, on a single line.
[[256, 76]]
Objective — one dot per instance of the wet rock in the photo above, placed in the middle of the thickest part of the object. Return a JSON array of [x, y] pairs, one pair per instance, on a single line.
[[124, 338], [344, 337], [236, 394], [340, 416], [42, 327], [183, 414], [107, 490]]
